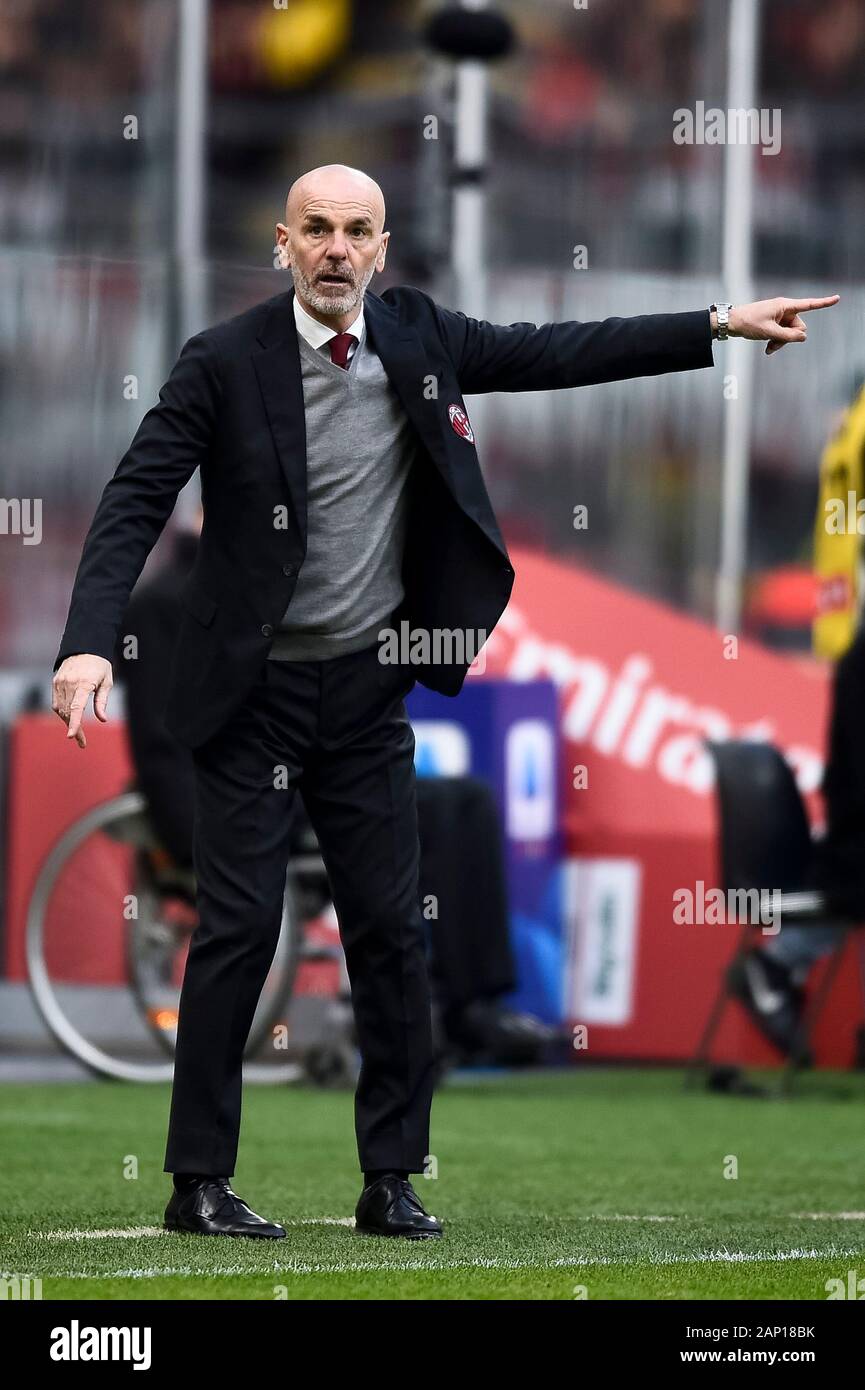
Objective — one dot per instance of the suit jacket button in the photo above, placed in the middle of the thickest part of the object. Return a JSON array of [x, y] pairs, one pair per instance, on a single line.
[[267, 630], [289, 571]]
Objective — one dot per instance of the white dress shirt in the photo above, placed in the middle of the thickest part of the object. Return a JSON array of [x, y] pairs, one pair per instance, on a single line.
[[318, 335]]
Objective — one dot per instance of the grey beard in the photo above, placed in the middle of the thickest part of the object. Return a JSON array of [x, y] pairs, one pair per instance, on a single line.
[[332, 305]]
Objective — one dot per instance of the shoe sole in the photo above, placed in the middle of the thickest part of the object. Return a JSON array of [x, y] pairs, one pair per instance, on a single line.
[[237, 1235]]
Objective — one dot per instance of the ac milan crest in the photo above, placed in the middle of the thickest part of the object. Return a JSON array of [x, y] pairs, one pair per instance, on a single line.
[[460, 422]]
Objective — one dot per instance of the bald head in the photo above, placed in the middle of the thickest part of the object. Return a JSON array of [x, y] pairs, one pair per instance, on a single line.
[[337, 185], [333, 240]]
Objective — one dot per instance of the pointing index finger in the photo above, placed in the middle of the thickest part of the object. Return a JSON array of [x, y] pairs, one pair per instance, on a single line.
[[803, 305], [76, 710]]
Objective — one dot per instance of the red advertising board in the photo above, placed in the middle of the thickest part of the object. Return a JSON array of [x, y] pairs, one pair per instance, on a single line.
[[641, 687]]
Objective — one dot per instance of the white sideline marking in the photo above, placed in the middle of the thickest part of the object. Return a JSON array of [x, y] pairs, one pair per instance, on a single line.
[[790, 1216], [722, 1257], [110, 1233], [830, 1215], [135, 1232], [621, 1216], [321, 1221], [406, 1266]]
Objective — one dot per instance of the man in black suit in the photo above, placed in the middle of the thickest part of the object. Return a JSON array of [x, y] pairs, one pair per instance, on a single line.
[[348, 549]]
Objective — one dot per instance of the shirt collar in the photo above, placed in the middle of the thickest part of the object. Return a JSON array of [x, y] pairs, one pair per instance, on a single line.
[[317, 334]]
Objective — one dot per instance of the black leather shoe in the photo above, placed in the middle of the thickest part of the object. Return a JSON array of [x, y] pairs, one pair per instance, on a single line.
[[210, 1208], [391, 1207], [486, 1031]]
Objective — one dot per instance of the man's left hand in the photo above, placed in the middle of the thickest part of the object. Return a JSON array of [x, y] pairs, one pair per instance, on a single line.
[[776, 322]]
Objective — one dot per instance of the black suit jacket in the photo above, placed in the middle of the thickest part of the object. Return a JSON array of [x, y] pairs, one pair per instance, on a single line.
[[233, 407]]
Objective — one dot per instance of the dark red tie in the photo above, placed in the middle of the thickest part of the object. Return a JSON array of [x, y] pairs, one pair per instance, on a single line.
[[339, 348]]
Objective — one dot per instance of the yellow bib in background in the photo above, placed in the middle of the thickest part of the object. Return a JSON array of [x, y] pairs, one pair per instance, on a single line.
[[300, 39], [837, 534]]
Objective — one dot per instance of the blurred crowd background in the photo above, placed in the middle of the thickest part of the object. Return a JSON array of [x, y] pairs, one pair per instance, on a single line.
[[581, 154]]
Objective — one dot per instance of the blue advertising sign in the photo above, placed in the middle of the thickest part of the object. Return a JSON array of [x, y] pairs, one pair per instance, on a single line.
[[507, 733]]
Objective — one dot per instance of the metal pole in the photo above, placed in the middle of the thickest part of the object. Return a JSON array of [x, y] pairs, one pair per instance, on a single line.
[[737, 278], [468, 247], [189, 164], [190, 249], [468, 234]]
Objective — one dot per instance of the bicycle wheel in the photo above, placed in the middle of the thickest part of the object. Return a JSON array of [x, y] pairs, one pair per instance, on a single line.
[[92, 999], [158, 939]]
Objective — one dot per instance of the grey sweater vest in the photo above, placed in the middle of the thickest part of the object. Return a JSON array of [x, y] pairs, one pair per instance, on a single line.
[[360, 448]]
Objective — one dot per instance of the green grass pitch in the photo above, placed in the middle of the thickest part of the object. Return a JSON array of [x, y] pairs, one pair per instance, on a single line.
[[598, 1183]]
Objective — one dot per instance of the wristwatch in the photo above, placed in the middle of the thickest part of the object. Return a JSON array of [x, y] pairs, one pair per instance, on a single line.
[[723, 312]]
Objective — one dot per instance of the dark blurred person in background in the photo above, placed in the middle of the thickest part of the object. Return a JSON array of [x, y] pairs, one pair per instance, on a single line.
[[164, 771], [770, 979]]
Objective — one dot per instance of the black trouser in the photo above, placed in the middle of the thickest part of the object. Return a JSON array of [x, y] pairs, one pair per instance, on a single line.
[[338, 731]]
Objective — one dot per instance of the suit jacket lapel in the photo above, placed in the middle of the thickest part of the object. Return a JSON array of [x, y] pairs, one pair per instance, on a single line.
[[409, 370], [277, 367]]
